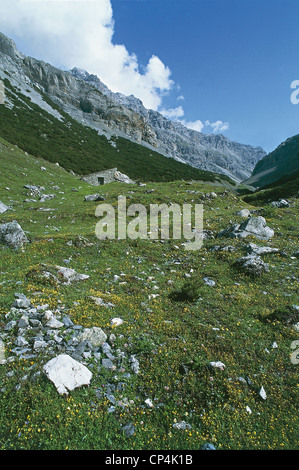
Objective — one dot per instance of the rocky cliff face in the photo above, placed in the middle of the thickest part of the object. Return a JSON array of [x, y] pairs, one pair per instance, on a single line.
[[208, 152], [88, 100]]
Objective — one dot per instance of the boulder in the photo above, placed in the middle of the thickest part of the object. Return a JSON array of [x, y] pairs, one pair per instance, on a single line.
[[66, 373], [94, 197], [280, 203], [21, 301], [68, 275], [260, 250], [12, 234], [46, 197], [94, 335], [252, 265], [253, 226], [244, 213], [3, 208]]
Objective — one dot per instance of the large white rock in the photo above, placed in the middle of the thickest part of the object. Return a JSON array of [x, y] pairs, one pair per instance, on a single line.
[[66, 373]]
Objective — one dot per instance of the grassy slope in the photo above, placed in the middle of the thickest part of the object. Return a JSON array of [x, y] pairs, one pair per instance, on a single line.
[[283, 161], [224, 324], [81, 149], [285, 187]]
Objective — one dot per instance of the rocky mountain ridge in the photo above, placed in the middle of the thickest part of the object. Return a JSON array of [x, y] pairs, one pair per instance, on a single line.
[[85, 98]]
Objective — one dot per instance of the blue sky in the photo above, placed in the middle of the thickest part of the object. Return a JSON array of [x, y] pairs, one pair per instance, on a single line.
[[233, 59], [216, 65]]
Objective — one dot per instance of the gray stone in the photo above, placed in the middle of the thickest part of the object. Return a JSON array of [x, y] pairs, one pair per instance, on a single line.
[[252, 265], [67, 275], [107, 176], [94, 335], [94, 197], [35, 323], [260, 250], [12, 234], [46, 197], [209, 282], [257, 226], [39, 345], [243, 213], [107, 363], [10, 325], [21, 341], [134, 364], [182, 425], [253, 226], [54, 323], [3, 208], [67, 322], [23, 322], [128, 429], [207, 446], [21, 301], [281, 203], [2, 352], [218, 365]]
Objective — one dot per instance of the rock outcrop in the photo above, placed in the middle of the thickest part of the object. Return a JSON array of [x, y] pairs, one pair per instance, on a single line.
[[85, 98], [12, 234], [253, 226]]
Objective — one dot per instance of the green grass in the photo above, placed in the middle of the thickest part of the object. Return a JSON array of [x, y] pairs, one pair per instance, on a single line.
[[286, 187], [235, 322], [79, 148]]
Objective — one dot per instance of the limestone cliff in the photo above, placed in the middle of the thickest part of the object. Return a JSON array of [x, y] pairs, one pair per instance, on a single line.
[[88, 100]]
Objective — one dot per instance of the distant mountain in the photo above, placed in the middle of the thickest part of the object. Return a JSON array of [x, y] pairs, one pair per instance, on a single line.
[[282, 162], [32, 121], [207, 151], [87, 100]]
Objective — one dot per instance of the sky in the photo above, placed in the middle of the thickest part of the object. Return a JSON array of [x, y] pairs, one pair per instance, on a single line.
[[217, 66]]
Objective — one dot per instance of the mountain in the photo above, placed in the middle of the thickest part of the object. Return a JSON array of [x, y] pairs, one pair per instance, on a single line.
[[87, 100], [210, 152], [282, 162], [38, 125]]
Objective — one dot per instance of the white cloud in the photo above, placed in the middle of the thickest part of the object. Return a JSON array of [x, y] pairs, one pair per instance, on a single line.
[[79, 33], [194, 125], [73, 33], [217, 126], [172, 113]]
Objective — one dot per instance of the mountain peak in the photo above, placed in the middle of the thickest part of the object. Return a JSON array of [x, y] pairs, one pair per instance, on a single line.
[[88, 100], [8, 47]]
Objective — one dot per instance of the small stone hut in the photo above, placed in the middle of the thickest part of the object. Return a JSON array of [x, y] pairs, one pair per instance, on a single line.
[[106, 176]]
